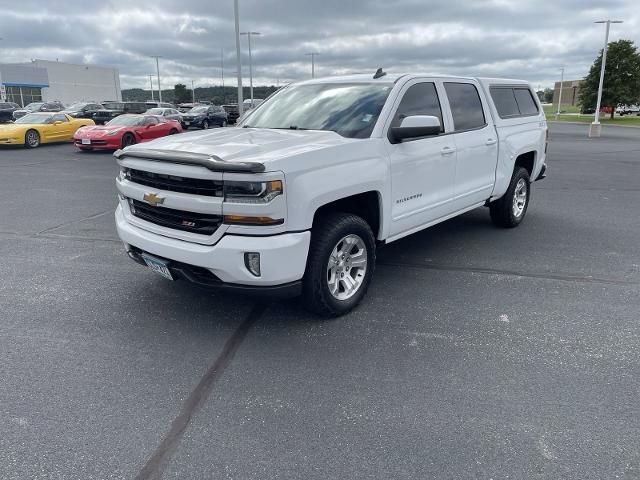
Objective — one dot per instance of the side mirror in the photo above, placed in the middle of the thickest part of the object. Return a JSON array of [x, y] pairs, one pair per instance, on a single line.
[[57, 122], [415, 126]]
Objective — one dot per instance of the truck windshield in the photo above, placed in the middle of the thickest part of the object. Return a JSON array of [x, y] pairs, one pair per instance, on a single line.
[[349, 109]]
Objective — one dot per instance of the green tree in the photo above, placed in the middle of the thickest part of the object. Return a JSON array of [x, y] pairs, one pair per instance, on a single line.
[[181, 94], [547, 95], [621, 77]]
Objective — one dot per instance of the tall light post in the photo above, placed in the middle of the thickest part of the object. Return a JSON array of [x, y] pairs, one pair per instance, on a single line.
[[3, 89], [239, 72], [193, 93], [157, 57], [560, 92], [313, 63], [151, 85], [248, 34], [595, 128], [224, 96]]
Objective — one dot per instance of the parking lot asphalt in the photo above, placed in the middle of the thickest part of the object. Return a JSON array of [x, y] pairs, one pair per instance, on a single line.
[[478, 352]]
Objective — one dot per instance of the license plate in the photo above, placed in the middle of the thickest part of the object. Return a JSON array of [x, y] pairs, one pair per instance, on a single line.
[[86, 141], [157, 265], [187, 123]]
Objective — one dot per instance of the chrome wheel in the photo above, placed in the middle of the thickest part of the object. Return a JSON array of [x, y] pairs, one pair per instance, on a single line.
[[520, 198], [347, 267], [205, 125], [33, 139]]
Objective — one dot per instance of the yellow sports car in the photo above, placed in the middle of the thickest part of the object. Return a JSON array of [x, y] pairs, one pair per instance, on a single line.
[[36, 128]]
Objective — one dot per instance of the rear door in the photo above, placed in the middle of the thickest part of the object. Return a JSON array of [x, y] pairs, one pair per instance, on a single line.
[[422, 169], [476, 143]]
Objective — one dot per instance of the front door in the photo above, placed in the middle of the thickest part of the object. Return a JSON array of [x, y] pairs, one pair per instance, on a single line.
[[422, 169]]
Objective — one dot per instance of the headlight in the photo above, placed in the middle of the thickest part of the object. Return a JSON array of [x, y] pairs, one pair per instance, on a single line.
[[125, 174], [252, 192]]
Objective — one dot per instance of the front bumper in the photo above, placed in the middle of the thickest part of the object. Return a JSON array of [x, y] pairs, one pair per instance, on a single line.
[[283, 257], [99, 143]]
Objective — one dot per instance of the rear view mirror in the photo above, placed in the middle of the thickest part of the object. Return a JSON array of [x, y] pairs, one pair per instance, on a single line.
[[415, 126]]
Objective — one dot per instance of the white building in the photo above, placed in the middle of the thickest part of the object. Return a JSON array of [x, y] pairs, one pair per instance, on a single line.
[[43, 80]]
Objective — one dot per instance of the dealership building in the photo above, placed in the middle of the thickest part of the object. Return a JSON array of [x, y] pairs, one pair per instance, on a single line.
[[43, 80]]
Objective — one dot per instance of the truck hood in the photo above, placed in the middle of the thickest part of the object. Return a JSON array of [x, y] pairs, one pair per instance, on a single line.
[[248, 144]]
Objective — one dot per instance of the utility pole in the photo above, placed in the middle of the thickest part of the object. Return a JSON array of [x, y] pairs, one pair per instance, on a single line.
[[560, 92], [193, 93], [239, 72], [151, 85], [595, 128], [158, 72], [313, 63], [248, 34]]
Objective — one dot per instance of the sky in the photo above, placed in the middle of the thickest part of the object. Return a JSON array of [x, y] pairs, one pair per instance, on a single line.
[[524, 39]]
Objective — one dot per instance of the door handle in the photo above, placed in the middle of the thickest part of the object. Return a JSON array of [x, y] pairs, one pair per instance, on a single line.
[[491, 141], [447, 150]]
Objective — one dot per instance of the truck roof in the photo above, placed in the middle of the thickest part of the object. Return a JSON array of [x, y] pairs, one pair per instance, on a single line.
[[393, 77]]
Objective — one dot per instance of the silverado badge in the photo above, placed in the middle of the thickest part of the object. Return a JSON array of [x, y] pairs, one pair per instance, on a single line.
[[153, 199]]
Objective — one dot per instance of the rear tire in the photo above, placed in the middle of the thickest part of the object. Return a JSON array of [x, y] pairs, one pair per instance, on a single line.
[[32, 139], [173, 131], [340, 264], [128, 139], [205, 125], [509, 211]]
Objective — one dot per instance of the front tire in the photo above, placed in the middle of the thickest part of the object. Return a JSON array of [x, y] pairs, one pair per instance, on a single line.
[[340, 264], [32, 139], [128, 139], [509, 211], [205, 125]]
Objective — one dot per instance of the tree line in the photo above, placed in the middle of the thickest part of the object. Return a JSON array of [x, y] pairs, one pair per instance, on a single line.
[[181, 94]]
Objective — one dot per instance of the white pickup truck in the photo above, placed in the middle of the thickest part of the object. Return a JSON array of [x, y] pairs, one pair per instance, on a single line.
[[296, 198]]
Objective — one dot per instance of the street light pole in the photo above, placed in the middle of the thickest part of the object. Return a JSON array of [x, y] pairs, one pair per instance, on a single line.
[[560, 92], [313, 63], [224, 96], [151, 85], [595, 128], [158, 72], [193, 93], [239, 72], [248, 34]]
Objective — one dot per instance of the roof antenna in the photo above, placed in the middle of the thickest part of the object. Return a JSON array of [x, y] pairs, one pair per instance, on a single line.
[[379, 73]]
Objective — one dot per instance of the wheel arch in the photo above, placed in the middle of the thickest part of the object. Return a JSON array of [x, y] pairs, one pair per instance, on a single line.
[[366, 204]]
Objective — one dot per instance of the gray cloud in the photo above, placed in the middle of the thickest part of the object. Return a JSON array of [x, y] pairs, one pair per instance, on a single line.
[[508, 38]]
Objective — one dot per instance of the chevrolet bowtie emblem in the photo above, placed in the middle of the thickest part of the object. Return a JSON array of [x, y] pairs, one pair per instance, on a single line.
[[153, 199]]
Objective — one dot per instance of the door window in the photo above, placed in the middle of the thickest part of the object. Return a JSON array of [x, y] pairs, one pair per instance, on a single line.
[[466, 106], [419, 99], [60, 118]]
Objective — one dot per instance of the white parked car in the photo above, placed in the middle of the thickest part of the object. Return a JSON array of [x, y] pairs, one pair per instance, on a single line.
[[298, 198], [628, 110]]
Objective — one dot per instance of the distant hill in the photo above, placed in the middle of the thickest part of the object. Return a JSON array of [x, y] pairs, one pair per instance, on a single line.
[[216, 95]]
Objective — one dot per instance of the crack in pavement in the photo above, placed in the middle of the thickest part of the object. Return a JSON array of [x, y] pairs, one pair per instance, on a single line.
[[158, 461], [496, 271], [66, 224]]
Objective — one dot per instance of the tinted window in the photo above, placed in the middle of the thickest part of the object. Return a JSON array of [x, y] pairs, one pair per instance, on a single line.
[[60, 118], [150, 121], [526, 104], [466, 106], [505, 102], [419, 99]]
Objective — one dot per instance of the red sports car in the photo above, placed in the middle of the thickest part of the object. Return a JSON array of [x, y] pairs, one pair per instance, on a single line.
[[125, 130]]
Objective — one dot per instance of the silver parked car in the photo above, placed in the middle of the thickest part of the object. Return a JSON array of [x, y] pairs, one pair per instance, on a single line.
[[170, 113]]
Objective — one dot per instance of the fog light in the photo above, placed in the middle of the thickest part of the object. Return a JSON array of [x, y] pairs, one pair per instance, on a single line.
[[252, 262]]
